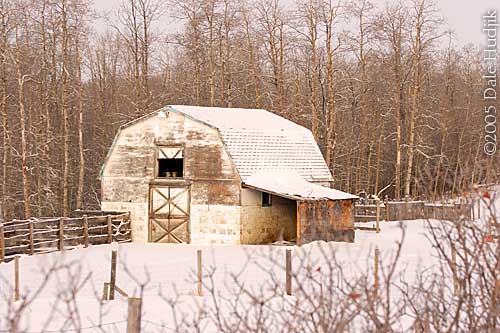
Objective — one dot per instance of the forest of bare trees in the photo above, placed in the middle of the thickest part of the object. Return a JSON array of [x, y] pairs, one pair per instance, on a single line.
[[395, 105]]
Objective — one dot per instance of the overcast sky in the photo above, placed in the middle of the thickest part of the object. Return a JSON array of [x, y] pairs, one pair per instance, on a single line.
[[463, 16]]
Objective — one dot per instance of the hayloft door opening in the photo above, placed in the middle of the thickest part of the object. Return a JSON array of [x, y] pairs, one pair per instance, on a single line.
[[169, 214], [170, 162]]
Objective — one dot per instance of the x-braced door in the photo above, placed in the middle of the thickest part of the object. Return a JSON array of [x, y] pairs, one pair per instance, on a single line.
[[169, 214]]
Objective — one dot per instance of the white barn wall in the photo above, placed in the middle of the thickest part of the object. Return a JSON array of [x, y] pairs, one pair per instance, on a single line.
[[215, 224], [215, 184], [138, 216], [266, 224]]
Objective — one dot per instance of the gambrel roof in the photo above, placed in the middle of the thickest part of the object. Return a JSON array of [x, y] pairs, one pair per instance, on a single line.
[[260, 141]]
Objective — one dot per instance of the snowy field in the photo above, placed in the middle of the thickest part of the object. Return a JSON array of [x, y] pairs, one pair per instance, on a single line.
[[70, 299], [170, 269]]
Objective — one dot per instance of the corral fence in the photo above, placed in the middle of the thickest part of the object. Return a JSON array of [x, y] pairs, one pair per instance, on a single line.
[[413, 210], [42, 235]]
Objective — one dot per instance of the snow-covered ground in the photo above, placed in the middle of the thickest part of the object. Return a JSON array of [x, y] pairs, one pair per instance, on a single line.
[[170, 268], [167, 271]]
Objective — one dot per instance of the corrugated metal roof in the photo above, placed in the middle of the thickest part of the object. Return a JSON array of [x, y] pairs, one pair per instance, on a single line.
[[291, 185], [258, 140]]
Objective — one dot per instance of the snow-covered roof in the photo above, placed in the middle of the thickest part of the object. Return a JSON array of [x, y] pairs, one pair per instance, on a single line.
[[291, 185], [258, 140]]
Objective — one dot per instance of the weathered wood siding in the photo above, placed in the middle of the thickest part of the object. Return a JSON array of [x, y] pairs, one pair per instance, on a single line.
[[208, 170], [326, 220], [265, 224]]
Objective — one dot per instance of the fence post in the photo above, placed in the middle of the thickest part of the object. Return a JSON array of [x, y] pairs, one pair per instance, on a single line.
[[16, 278], [375, 272], [496, 290], [110, 229], [134, 315], [454, 269], [112, 280], [406, 215], [85, 231], [479, 208], [386, 208], [2, 243], [31, 240], [377, 202], [60, 245], [129, 228], [105, 291], [200, 273], [288, 270]]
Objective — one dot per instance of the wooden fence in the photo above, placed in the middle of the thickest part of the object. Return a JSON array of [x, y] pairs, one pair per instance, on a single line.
[[412, 210], [55, 234]]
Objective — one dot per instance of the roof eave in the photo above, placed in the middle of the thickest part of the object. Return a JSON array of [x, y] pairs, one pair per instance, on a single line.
[[295, 197]]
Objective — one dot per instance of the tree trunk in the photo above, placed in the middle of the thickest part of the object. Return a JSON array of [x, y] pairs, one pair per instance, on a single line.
[[145, 54], [415, 96], [252, 62], [81, 166], [330, 129], [209, 12], [314, 70], [64, 111], [5, 209], [22, 120]]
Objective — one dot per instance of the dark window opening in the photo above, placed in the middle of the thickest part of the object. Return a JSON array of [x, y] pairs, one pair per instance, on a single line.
[[170, 167], [266, 199]]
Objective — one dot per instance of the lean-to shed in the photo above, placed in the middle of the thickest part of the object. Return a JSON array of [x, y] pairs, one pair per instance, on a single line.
[[223, 175]]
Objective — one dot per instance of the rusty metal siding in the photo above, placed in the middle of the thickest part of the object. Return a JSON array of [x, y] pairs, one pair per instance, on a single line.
[[347, 214], [326, 220]]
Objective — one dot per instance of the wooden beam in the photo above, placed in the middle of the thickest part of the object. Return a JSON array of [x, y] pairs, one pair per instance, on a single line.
[[31, 249], [288, 271], [454, 270], [478, 208], [110, 229], [2, 243], [105, 291], [375, 272], [298, 222], [112, 280], [85, 231], [134, 315], [387, 209], [60, 245], [16, 278], [120, 291], [200, 273]]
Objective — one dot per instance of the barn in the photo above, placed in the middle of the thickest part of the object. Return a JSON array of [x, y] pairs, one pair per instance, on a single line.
[[190, 174]]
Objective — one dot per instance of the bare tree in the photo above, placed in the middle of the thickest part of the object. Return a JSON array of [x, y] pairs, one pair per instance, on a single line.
[[424, 24], [5, 12], [393, 26], [329, 14]]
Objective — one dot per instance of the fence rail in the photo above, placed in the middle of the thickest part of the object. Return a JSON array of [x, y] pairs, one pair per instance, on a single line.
[[55, 234], [412, 210]]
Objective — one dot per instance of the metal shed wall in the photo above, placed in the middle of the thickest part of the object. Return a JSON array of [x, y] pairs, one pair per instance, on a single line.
[[328, 220]]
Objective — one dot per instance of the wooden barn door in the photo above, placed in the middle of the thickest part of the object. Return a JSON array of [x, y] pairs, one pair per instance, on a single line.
[[169, 214]]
